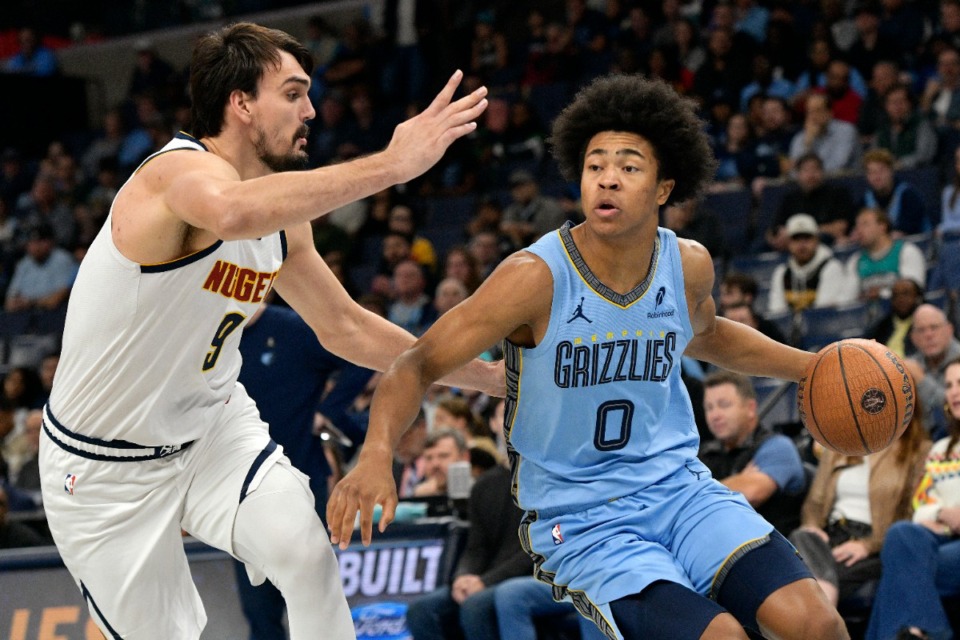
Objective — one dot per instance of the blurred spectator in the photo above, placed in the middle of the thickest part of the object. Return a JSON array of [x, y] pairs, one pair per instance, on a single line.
[[553, 62], [394, 249], [921, 563], [950, 200], [450, 292], [774, 135], [941, 95], [737, 288], [905, 133], [529, 214], [15, 179], [462, 265], [748, 457], [694, 220], [752, 19], [321, 39], [442, 448], [933, 335], [745, 314], [724, 71], [588, 28], [881, 260], [14, 534], [689, 52], [871, 46], [454, 412], [106, 145], [829, 204], [523, 600], [33, 58], [486, 250], [367, 129], [844, 101], [836, 142], [488, 50], [404, 75], [736, 154], [352, 63], [153, 76], [401, 219], [764, 82], [851, 504], [903, 23], [487, 217], [19, 394], [41, 206], [898, 199], [873, 113], [893, 329], [411, 308], [329, 129], [810, 276], [43, 277]]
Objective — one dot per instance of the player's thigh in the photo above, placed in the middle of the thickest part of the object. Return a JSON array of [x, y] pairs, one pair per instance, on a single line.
[[116, 527], [714, 527], [226, 468]]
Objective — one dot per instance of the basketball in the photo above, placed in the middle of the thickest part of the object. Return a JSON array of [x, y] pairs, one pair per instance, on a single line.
[[856, 397]]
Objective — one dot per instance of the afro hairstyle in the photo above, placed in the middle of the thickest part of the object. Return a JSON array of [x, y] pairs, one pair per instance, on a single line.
[[648, 108]]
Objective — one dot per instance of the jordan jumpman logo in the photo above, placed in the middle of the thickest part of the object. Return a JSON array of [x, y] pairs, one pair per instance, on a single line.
[[579, 313]]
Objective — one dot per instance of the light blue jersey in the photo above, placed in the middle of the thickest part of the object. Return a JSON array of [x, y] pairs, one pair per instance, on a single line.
[[597, 410]]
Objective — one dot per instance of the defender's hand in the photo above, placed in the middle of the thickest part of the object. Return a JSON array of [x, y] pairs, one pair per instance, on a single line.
[[418, 143]]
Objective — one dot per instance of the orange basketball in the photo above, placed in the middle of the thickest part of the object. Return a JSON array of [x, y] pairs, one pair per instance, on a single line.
[[856, 397]]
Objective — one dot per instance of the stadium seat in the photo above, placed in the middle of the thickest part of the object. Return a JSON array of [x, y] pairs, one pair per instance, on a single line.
[[760, 266], [822, 326], [776, 401], [733, 207]]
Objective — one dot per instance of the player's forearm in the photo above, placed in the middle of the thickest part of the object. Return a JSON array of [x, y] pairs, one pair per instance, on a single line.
[[737, 347], [396, 403], [260, 206]]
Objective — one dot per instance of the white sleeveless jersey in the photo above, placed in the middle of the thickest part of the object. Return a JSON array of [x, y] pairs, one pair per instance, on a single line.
[[150, 351]]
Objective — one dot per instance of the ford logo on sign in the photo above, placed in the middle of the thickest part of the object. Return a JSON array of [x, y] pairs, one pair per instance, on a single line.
[[384, 621]]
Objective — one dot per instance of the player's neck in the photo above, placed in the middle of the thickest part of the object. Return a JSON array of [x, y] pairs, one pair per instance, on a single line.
[[620, 262], [241, 155]]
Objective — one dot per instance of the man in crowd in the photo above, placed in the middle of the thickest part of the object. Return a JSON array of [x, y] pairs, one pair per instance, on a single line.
[[748, 457]]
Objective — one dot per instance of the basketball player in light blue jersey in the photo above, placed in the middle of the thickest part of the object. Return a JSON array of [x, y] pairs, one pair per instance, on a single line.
[[621, 516]]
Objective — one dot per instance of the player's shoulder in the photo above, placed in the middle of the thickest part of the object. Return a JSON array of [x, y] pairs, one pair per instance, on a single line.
[[696, 262]]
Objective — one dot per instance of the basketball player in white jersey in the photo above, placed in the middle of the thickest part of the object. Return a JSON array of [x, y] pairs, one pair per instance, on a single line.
[[147, 430], [621, 516]]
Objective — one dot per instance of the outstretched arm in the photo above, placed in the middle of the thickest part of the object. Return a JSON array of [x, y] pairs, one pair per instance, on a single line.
[[727, 344], [350, 331], [216, 199], [513, 302]]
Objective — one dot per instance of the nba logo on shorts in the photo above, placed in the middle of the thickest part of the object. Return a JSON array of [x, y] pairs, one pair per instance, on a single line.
[[69, 483], [557, 536]]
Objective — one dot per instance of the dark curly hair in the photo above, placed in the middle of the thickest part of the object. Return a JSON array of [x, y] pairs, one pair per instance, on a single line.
[[648, 108]]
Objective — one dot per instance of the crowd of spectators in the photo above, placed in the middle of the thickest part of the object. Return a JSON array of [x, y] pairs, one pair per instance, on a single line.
[[801, 97]]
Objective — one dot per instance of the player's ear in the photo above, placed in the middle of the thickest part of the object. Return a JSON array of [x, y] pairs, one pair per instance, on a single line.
[[664, 188], [239, 104]]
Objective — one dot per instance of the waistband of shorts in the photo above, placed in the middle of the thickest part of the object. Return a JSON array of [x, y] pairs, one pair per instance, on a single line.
[[97, 449]]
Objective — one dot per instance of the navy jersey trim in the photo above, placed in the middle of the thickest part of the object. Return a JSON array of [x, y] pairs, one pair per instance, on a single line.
[[180, 262], [93, 605], [621, 299], [158, 452], [283, 245], [183, 135], [257, 463], [110, 444]]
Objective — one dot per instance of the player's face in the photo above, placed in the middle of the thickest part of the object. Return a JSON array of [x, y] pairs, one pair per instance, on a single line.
[[619, 185], [951, 386], [280, 113], [728, 415]]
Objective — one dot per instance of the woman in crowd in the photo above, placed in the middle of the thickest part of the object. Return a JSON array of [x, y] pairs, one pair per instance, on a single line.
[[921, 558]]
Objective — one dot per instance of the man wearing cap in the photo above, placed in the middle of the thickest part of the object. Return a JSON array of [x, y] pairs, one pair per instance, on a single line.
[[41, 279], [811, 277], [529, 215]]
